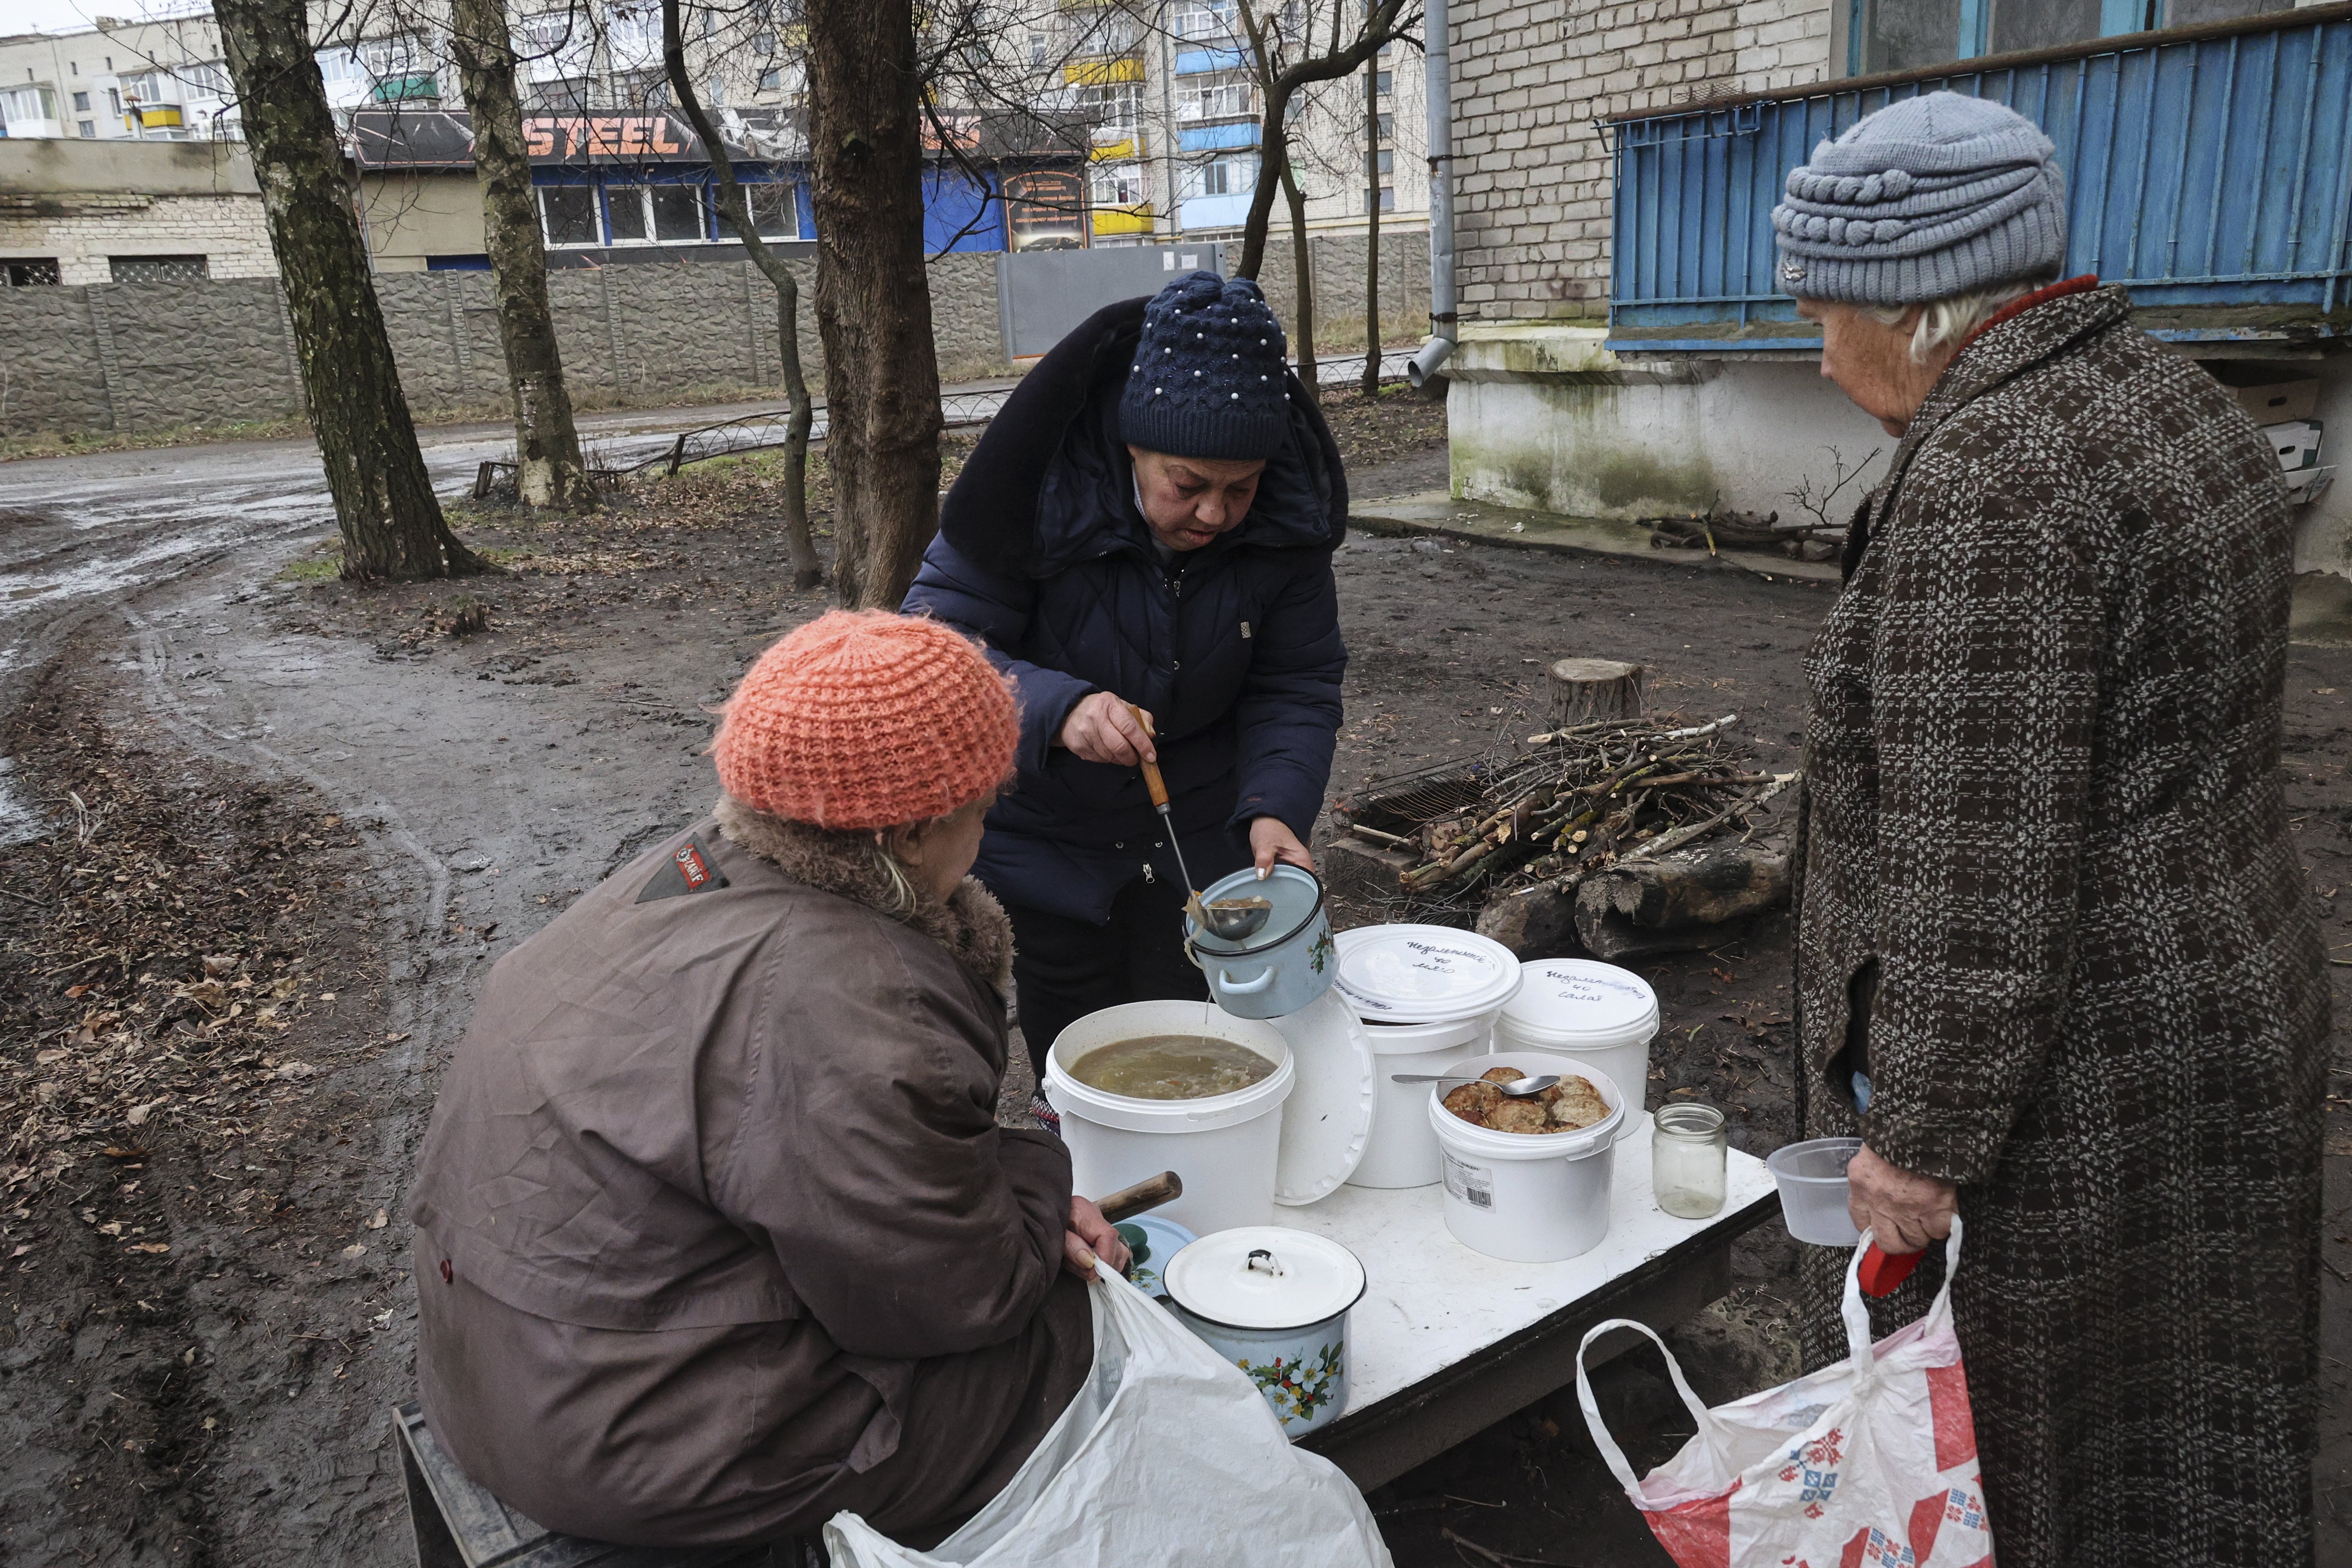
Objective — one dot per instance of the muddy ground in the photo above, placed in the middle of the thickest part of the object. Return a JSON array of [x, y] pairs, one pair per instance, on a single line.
[[320, 800]]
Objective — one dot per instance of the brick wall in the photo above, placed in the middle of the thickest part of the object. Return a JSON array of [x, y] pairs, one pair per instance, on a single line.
[[112, 356], [82, 230], [1530, 76]]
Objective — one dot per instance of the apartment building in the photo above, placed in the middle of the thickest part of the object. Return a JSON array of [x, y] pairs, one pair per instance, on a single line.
[[1624, 350], [1175, 119]]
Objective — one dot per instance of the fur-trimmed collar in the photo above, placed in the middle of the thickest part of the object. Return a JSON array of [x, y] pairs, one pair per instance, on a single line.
[[971, 925]]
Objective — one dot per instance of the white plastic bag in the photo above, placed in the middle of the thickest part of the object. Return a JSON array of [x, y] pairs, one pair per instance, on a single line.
[[1871, 1463], [1169, 1455]]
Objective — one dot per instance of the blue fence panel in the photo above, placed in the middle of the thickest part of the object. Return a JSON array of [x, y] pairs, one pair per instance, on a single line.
[[2210, 172]]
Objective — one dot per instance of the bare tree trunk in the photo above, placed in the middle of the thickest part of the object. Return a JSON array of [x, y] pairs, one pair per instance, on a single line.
[[1273, 154], [807, 571], [547, 444], [873, 296], [384, 506], [1302, 267], [1373, 227]]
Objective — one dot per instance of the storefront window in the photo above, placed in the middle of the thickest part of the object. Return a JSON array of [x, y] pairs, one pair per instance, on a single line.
[[774, 211], [677, 213], [568, 215]]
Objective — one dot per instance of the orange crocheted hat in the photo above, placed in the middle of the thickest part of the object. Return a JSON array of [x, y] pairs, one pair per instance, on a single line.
[[867, 719]]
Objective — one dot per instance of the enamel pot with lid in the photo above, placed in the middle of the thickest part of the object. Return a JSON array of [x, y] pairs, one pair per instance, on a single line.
[[1284, 964], [1274, 1302]]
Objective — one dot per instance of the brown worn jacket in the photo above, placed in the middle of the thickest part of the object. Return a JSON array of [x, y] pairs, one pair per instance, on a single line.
[[717, 1232], [2051, 894]]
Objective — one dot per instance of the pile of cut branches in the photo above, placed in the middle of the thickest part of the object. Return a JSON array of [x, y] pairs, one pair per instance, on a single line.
[[1722, 530], [1575, 802]]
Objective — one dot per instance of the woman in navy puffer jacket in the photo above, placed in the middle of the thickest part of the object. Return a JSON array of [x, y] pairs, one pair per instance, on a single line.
[[1149, 520]]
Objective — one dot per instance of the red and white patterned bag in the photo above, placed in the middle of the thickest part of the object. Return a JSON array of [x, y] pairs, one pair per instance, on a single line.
[[1871, 1463]]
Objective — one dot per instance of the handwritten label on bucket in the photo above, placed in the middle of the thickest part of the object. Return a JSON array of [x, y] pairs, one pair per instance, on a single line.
[[1474, 1184]]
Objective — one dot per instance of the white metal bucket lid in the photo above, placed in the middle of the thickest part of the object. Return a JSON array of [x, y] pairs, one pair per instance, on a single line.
[[1580, 1001], [1264, 1277], [1468, 1138], [1327, 1123], [1424, 974]]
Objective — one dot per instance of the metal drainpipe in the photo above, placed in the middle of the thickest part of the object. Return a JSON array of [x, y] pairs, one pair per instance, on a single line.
[[1439, 96]]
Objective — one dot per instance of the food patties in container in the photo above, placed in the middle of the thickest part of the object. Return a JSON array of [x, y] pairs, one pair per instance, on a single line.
[[1536, 1195]]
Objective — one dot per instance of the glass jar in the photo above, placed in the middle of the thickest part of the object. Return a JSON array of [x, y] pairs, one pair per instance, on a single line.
[[1687, 1156]]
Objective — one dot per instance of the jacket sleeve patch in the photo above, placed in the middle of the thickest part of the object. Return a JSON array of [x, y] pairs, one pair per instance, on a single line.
[[689, 870]]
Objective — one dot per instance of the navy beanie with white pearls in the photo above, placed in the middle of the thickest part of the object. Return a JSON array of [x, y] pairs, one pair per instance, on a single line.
[[1209, 373], [1929, 197]]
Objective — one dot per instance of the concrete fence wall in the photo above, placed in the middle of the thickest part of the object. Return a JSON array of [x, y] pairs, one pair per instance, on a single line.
[[119, 357], [128, 357]]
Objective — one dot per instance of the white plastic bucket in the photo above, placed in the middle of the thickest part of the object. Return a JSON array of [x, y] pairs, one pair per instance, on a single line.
[[1402, 1149], [1223, 1147], [1526, 1197], [1597, 1013]]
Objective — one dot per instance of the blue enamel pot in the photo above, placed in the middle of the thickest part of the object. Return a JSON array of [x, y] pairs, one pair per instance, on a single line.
[[1286, 963]]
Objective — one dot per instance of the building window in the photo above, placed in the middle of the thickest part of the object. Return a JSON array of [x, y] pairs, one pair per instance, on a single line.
[[772, 80], [775, 211], [81, 103], [1213, 99], [556, 95], [642, 90], [339, 68], [1207, 19], [1385, 83], [552, 47], [113, 100], [1388, 200], [20, 104], [1112, 105], [158, 269], [1221, 177], [655, 215], [86, 129], [1118, 185], [1388, 127], [1382, 162], [634, 33], [207, 78], [30, 272], [567, 215], [1041, 48], [1916, 34]]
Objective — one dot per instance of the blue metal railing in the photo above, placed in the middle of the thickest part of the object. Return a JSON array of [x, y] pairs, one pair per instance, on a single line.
[[2203, 172]]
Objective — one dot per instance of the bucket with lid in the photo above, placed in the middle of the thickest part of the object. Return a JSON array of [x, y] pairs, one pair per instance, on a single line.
[[1274, 1302], [1595, 1011], [1225, 1146], [1527, 1197], [1426, 995], [1280, 967]]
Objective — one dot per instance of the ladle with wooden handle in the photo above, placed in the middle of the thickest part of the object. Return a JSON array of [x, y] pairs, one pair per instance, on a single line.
[[1149, 1194], [1231, 919]]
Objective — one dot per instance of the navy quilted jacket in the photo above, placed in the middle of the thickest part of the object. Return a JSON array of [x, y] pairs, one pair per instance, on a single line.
[[1233, 649]]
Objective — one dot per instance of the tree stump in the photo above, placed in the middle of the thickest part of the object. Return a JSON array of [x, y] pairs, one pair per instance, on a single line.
[[1586, 690]]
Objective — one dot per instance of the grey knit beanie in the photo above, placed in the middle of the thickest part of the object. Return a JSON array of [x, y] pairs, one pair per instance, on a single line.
[[1929, 197], [1208, 377]]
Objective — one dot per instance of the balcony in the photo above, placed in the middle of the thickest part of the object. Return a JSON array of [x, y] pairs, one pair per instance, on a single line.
[[2208, 170]]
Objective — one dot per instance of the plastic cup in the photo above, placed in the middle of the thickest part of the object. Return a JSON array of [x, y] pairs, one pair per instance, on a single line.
[[1813, 1182]]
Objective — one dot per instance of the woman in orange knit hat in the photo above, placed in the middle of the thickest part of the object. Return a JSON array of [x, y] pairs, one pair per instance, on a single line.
[[717, 1233]]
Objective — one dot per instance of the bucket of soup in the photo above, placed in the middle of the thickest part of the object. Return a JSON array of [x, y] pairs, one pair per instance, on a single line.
[[1174, 1085], [1527, 1179]]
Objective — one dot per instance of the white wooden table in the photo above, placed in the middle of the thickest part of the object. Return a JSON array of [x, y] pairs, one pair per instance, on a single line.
[[1446, 1342]]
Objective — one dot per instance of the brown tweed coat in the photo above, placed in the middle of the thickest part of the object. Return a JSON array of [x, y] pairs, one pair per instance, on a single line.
[[2049, 897]]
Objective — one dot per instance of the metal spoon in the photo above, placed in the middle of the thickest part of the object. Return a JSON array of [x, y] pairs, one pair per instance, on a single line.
[[1229, 919], [1518, 1088]]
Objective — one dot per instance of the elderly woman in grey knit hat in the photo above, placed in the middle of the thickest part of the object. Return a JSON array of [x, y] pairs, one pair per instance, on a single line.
[[2056, 965]]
